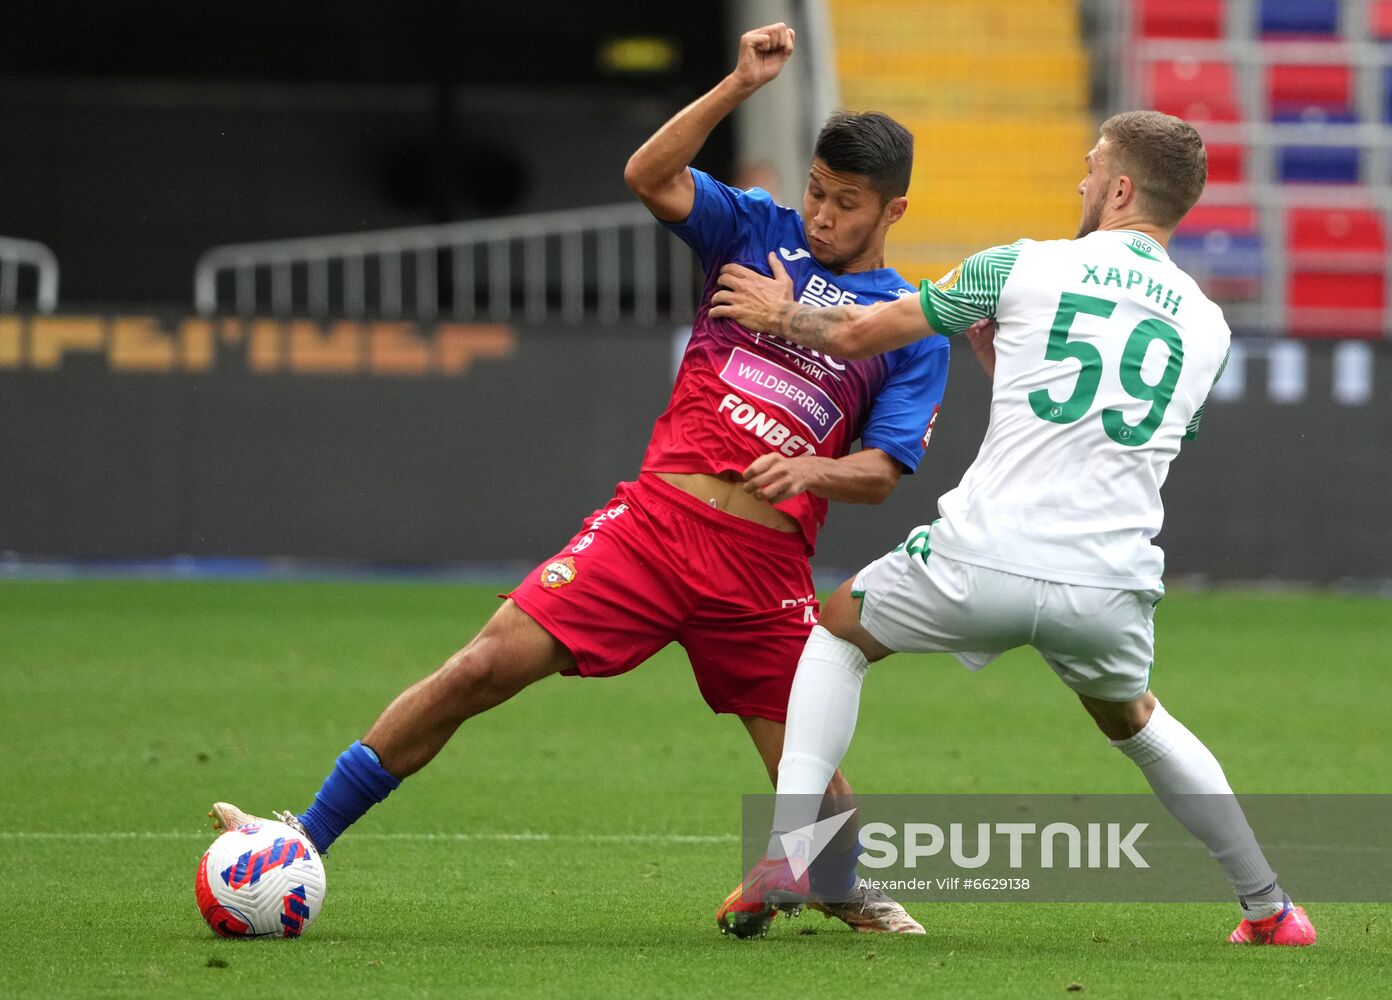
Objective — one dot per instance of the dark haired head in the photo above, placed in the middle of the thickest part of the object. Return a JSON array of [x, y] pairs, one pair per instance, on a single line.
[[870, 144]]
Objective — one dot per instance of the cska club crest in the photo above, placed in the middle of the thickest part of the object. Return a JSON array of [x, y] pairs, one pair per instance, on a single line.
[[558, 573]]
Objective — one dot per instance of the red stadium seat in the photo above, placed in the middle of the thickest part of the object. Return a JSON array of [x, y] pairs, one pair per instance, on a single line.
[[1298, 91], [1227, 163], [1341, 229], [1380, 20], [1336, 239], [1180, 19], [1336, 305], [1337, 282], [1228, 218], [1194, 91]]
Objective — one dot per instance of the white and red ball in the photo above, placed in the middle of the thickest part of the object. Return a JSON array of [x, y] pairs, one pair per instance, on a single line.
[[262, 880]]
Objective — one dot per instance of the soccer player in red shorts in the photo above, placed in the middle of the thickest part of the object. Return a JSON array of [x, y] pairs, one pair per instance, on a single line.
[[709, 546]]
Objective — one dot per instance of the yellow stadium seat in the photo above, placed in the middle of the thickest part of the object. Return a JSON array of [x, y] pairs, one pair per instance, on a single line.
[[997, 98]]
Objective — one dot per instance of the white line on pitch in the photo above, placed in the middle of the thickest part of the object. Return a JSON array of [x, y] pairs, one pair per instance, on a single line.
[[542, 838], [561, 838]]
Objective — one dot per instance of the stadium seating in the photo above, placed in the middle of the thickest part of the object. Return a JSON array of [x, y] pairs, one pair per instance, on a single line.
[[1278, 89], [999, 106], [1195, 91], [1310, 93], [1380, 20], [1288, 236], [1299, 18], [1313, 94], [1221, 247], [1180, 19], [1337, 283], [1227, 163], [1351, 237]]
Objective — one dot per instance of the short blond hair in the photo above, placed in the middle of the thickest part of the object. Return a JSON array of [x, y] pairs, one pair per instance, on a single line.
[[1164, 157]]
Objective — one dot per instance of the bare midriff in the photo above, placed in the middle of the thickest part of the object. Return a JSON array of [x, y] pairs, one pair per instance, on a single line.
[[726, 492]]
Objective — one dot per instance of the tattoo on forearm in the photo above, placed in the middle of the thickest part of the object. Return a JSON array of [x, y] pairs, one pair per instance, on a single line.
[[811, 327]]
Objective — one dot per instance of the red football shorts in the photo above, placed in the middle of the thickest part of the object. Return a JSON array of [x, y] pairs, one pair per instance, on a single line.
[[656, 565]]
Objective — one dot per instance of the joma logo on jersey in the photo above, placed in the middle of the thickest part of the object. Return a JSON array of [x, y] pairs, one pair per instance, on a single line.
[[820, 292], [252, 865]]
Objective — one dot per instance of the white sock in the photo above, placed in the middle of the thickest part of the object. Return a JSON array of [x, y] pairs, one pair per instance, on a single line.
[[822, 709], [1190, 783]]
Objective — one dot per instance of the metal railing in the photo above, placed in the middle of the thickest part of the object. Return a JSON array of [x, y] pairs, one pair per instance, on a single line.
[[16, 254], [608, 262]]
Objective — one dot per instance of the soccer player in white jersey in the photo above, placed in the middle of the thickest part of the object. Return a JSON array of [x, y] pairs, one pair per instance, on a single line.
[[1104, 354]]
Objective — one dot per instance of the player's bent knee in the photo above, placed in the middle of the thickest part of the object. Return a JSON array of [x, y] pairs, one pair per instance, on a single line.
[[838, 785], [1120, 720], [841, 617], [841, 613]]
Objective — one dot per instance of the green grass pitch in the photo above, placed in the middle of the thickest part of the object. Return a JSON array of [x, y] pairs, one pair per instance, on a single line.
[[129, 706]]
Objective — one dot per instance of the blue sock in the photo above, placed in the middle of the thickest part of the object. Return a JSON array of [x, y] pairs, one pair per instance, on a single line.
[[356, 784], [833, 873]]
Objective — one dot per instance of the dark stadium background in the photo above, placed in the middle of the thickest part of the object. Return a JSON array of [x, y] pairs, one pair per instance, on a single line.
[[140, 135]]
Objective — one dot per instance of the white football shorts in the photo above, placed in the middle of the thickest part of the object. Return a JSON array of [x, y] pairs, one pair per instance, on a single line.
[[1100, 642]]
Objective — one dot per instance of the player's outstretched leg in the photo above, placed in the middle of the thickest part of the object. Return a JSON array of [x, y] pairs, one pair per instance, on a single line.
[[829, 884], [226, 816], [510, 652], [1190, 783], [802, 761]]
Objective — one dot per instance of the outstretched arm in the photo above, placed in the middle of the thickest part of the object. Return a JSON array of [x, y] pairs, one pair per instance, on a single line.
[[657, 172], [757, 303]]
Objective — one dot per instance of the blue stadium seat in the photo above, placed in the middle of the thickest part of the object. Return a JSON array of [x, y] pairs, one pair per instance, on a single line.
[[1299, 17], [1319, 164], [1227, 265], [1221, 246], [1387, 94], [1296, 92], [1333, 116]]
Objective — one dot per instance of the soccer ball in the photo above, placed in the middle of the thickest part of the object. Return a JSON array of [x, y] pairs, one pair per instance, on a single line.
[[261, 880]]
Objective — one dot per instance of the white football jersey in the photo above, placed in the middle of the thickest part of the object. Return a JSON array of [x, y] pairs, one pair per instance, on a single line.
[[1105, 353]]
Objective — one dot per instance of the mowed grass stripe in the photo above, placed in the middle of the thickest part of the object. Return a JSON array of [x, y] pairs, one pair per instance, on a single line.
[[130, 706]]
